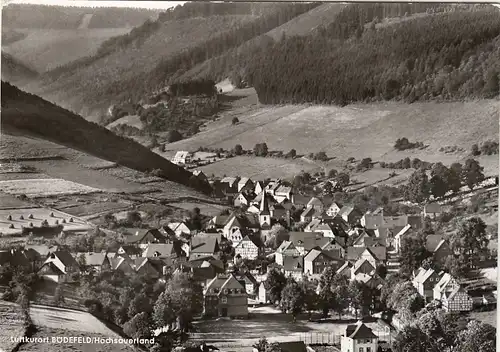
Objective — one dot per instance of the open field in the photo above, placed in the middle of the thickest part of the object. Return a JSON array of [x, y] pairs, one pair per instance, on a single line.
[[94, 208], [359, 131], [258, 168], [39, 215], [8, 201], [205, 209], [11, 325], [44, 187], [46, 49]]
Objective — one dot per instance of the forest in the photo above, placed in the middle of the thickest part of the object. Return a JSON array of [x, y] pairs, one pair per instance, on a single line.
[[442, 56]]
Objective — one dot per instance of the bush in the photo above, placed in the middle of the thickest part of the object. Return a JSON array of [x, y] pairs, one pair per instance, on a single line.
[[235, 121], [260, 149], [489, 148], [475, 150], [291, 154], [238, 149], [382, 164], [364, 164], [321, 156], [174, 136], [404, 144]]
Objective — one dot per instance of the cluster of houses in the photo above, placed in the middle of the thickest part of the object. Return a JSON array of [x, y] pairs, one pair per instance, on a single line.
[[356, 245]]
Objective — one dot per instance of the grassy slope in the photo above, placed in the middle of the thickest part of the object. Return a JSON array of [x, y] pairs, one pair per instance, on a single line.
[[360, 130], [31, 116], [46, 49], [171, 38], [14, 71]]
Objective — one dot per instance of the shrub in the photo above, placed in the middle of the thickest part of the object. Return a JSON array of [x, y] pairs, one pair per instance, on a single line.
[[235, 121], [291, 154], [174, 136], [238, 149], [489, 148], [475, 150], [404, 144], [321, 156]]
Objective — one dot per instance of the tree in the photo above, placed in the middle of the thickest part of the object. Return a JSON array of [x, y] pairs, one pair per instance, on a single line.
[[406, 300], [276, 236], [140, 303], [274, 284], [238, 149], [292, 298], [475, 150], [412, 339], [413, 253], [134, 218], [235, 121], [360, 297], [406, 163], [438, 186], [334, 293], [469, 242], [343, 179], [332, 173], [265, 346], [381, 270], [310, 296], [321, 156], [139, 326], [454, 177], [174, 136], [291, 154], [477, 337], [472, 173], [260, 149], [417, 190]]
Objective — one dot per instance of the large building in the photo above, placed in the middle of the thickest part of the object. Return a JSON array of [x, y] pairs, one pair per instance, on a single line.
[[225, 296], [359, 338]]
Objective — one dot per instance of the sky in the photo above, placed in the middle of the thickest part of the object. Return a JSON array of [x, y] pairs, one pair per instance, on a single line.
[[100, 3]]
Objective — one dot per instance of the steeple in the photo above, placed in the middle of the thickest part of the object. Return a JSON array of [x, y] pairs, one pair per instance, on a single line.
[[264, 205]]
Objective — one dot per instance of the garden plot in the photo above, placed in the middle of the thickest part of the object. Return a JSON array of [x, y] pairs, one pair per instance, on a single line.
[[44, 187]]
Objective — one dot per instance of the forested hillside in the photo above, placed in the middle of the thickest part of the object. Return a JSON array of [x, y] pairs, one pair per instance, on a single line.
[[66, 17], [442, 56], [130, 67]]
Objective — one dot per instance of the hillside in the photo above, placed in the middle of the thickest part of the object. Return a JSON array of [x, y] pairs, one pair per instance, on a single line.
[[31, 116], [358, 130], [14, 71], [130, 67]]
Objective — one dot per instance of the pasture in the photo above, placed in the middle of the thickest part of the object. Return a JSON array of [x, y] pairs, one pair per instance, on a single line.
[[358, 130], [259, 168], [46, 49], [11, 325], [44, 187]]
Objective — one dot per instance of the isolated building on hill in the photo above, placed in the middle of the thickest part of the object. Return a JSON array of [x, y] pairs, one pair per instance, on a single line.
[[359, 337], [49, 271], [64, 261], [225, 296], [182, 158]]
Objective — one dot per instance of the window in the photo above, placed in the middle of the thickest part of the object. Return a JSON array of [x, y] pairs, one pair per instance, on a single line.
[[368, 349], [361, 349], [223, 300]]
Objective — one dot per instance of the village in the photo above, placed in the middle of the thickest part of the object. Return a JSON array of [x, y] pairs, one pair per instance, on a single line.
[[276, 247]]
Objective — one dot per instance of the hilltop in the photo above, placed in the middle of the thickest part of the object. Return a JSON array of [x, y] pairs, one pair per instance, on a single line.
[[30, 116]]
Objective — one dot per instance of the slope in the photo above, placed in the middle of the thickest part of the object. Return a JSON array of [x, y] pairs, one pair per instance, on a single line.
[[35, 117], [14, 71]]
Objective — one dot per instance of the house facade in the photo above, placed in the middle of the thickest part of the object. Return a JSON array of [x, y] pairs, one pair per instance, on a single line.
[[247, 248], [225, 296], [359, 338], [457, 301], [316, 261]]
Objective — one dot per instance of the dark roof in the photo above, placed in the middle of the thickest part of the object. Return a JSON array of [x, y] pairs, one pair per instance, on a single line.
[[432, 242], [52, 269], [353, 253], [308, 240], [293, 346], [66, 258], [360, 331], [293, 263], [140, 234], [204, 244], [220, 220]]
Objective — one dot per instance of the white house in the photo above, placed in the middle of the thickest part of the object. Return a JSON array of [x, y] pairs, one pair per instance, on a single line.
[[457, 301], [282, 193], [247, 248], [359, 338], [399, 236], [333, 210], [181, 158], [447, 284]]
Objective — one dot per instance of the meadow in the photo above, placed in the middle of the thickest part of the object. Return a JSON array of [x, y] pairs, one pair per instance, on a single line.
[[44, 187], [11, 325]]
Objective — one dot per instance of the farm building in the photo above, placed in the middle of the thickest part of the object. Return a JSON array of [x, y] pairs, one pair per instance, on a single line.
[[433, 210], [182, 158]]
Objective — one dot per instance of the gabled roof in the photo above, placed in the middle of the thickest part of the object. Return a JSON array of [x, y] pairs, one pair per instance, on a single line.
[[52, 269], [41, 249], [309, 211], [314, 202], [159, 250], [347, 210], [354, 253], [360, 331], [283, 190], [93, 259], [455, 292], [403, 231], [345, 266], [252, 239], [66, 258], [244, 180], [229, 180], [204, 244], [220, 220], [293, 346], [434, 242], [264, 205], [359, 263], [285, 245], [179, 226], [232, 221], [315, 253], [295, 263], [140, 234], [223, 281]]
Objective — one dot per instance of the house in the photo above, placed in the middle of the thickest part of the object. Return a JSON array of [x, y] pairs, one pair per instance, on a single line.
[[232, 225], [162, 250], [258, 188], [129, 251], [446, 284], [271, 187], [425, 281], [245, 185], [251, 284], [308, 214], [200, 175], [218, 222], [249, 247], [64, 261], [333, 210], [292, 346], [359, 338], [142, 237], [315, 203], [316, 261], [229, 185], [345, 270], [439, 247], [14, 258], [182, 158], [286, 249], [373, 220], [37, 254], [121, 264], [300, 201], [404, 232], [283, 193], [457, 301], [203, 246], [294, 267], [367, 238], [49, 271], [148, 267], [236, 236], [432, 210], [350, 214], [241, 200], [375, 255], [96, 262], [362, 266], [305, 241], [178, 228], [225, 296]]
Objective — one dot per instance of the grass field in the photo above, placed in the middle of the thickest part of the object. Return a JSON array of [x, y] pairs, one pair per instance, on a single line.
[[11, 325], [359, 131], [205, 209], [44, 187], [94, 208], [45, 49], [489, 317], [258, 168]]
